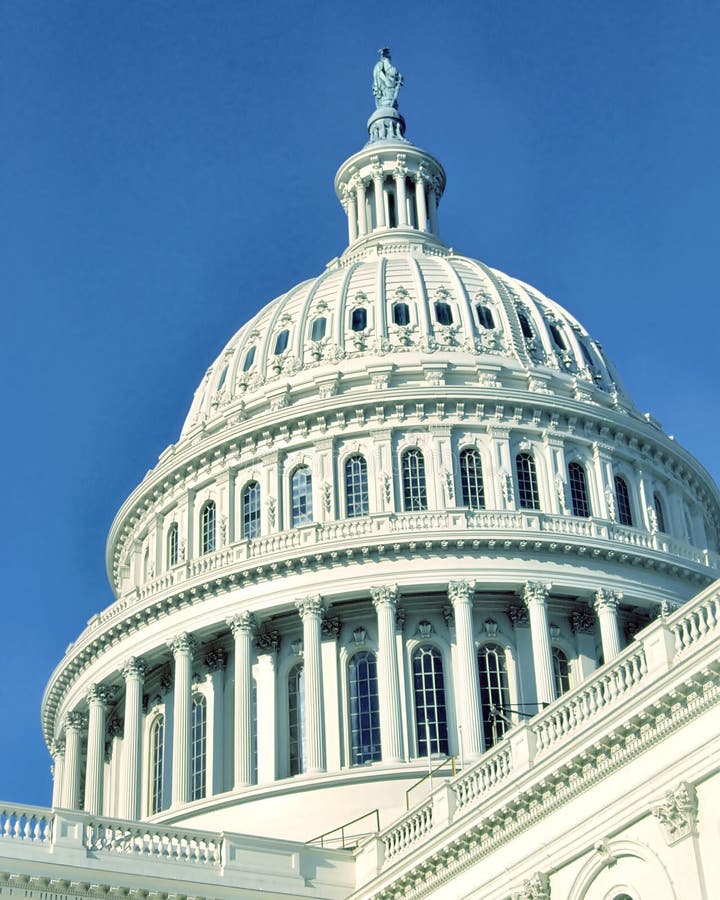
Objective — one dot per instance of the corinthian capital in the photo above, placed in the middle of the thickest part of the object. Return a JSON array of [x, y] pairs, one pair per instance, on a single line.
[[678, 812], [461, 591], [183, 643], [134, 668], [310, 606], [98, 693], [57, 748], [385, 595], [75, 720], [535, 592], [605, 599], [216, 659], [242, 623]]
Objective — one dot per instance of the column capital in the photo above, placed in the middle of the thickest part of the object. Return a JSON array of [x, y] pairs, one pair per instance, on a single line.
[[183, 643], [461, 591], [99, 694], [75, 720], [57, 748], [134, 668], [331, 627], [518, 615], [216, 659], [385, 595], [535, 592], [243, 623], [310, 607], [582, 621], [268, 641], [606, 599]]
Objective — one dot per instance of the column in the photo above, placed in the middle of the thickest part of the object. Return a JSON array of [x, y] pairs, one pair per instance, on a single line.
[[606, 605], [183, 647], [215, 662], [352, 216], [535, 597], [242, 627], [97, 699], [467, 695], [385, 600], [379, 199], [362, 211], [331, 699], [399, 174], [58, 769], [74, 724], [420, 201], [133, 673], [310, 610], [432, 209], [268, 644], [582, 622]]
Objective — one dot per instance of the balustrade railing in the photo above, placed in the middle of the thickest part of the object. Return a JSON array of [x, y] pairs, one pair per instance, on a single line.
[[474, 784], [692, 624], [411, 828], [157, 843], [26, 823]]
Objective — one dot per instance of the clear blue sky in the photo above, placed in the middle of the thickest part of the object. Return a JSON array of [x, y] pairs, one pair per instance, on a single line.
[[166, 169]]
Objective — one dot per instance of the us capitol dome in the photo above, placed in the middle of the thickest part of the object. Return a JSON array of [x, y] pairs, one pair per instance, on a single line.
[[413, 522]]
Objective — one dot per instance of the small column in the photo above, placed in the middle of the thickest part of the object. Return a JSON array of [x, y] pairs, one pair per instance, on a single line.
[[362, 212], [58, 769], [133, 673], [311, 610], [215, 662], [420, 201], [97, 699], [183, 647], [535, 598], [268, 645], [242, 627], [74, 723], [385, 600], [399, 174], [377, 177], [432, 209], [606, 606], [467, 697], [352, 216]]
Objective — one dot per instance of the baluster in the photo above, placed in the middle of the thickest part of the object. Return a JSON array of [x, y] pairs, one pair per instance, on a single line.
[[694, 633]]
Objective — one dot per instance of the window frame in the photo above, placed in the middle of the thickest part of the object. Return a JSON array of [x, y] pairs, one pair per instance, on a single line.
[[489, 693], [172, 545], [580, 505], [527, 482], [351, 482], [372, 724], [198, 747], [441, 739], [208, 527], [299, 518], [472, 482], [251, 510], [623, 502], [415, 493], [156, 764]]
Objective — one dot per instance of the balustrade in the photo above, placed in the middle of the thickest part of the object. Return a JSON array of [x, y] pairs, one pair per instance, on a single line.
[[127, 838], [470, 787], [408, 831], [26, 823]]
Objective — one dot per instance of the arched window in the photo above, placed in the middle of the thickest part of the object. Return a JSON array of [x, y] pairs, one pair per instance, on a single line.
[[589, 361], [561, 671], [251, 511], [146, 564], [358, 320], [317, 332], [494, 693], [525, 326], [471, 479], [443, 313], [430, 712], [578, 490], [207, 527], [364, 708], [249, 359], [173, 545], [527, 486], [413, 481], [281, 342], [401, 314], [356, 486], [622, 502], [223, 376], [659, 512], [485, 316], [556, 335], [157, 763], [199, 747], [301, 493], [296, 718]]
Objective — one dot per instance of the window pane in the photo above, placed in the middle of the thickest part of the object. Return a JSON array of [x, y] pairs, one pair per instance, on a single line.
[[356, 486], [157, 764], [281, 342], [578, 490], [359, 319], [249, 359], [485, 316], [223, 376], [622, 501], [430, 712], [172, 545], [494, 693], [364, 708], [528, 496], [296, 719], [251, 511], [443, 313], [207, 531], [199, 747], [301, 496], [413, 478], [471, 479], [561, 671], [659, 513], [557, 336], [525, 326], [401, 314], [318, 329]]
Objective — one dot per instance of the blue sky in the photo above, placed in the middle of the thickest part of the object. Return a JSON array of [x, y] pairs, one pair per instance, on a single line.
[[166, 169]]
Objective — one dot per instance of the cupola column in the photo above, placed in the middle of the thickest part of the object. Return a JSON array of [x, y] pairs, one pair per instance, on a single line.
[[58, 755], [377, 177], [74, 723], [133, 673], [215, 661], [385, 600], [432, 209], [420, 201], [467, 696], [310, 610], [362, 212], [97, 698], [535, 597], [606, 607], [352, 216], [183, 647], [242, 627], [399, 174]]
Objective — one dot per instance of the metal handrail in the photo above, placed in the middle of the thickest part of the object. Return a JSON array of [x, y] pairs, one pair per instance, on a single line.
[[453, 769], [341, 829]]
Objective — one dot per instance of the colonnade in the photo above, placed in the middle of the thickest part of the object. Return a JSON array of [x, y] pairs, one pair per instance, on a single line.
[[91, 726]]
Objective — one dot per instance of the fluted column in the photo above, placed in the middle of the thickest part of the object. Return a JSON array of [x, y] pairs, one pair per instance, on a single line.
[[310, 610], [467, 696], [74, 724], [352, 216], [379, 199], [242, 627], [58, 769], [399, 175], [97, 698], [385, 600], [362, 211], [183, 647], [134, 674], [606, 606], [420, 201], [535, 598], [215, 662], [432, 209]]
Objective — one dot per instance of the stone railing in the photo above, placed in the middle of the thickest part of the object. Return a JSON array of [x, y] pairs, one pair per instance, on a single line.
[[696, 621], [26, 823], [471, 786], [131, 838], [409, 830]]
